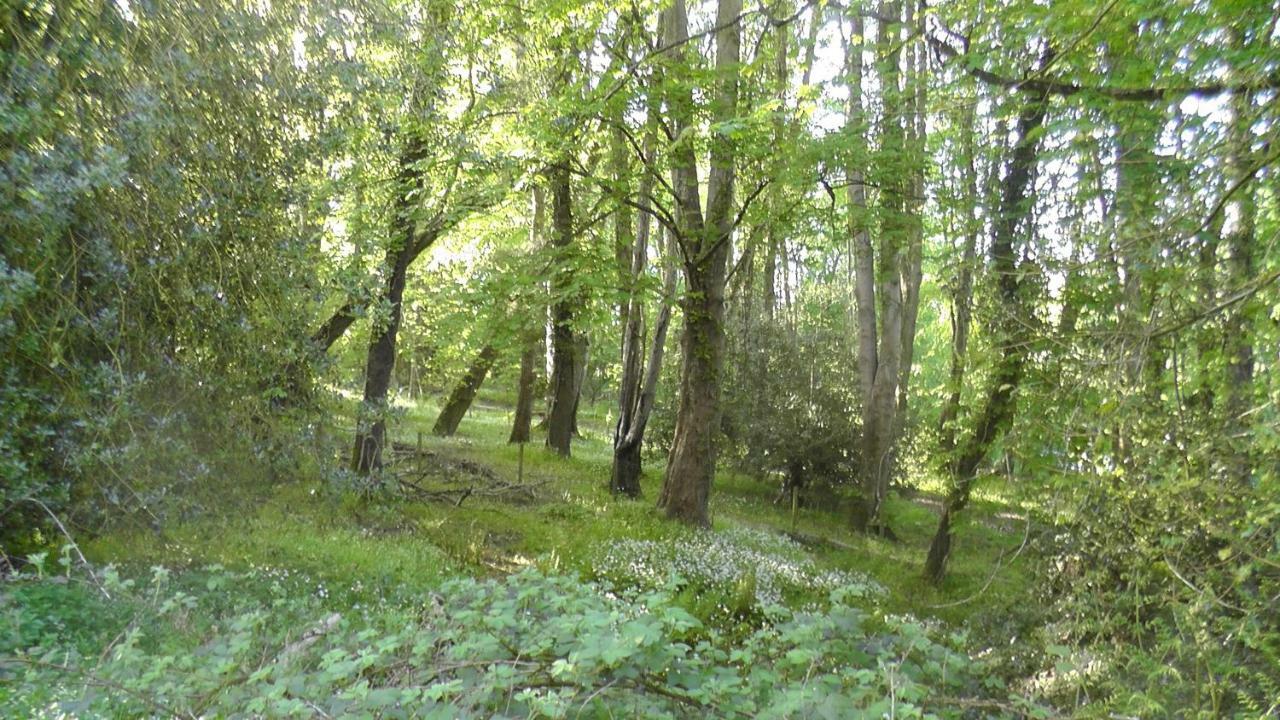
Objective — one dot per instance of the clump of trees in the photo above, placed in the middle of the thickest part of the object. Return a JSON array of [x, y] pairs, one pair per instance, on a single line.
[[798, 238]]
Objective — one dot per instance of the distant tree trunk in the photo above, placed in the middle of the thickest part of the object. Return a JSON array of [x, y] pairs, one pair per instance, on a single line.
[[581, 363], [962, 290], [524, 395], [563, 343], [997, 411], [1241, 269], [464, 393], [864, 288], [704, 249]]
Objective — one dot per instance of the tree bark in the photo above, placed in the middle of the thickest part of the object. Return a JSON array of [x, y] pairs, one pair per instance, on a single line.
[[637, 406], [1241, 269], [563, 343], [464, 393], [879, 417], [704, 247], [998, 407], [524, 395], [367, 453], [962, 291], [407, 244], [863, 254]]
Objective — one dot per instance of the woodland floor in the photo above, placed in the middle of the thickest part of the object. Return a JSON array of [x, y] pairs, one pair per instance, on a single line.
[[560, 517]]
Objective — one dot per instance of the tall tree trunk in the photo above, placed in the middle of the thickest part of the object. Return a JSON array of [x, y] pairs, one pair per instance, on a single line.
[[962, 290], [464, 393], [563, 343], [629, 439], [704, 247], [864, 288], [998, 407], [913, 272], [524, 395], [407, 244], [625, 475], [879, 417], [1241, 269]]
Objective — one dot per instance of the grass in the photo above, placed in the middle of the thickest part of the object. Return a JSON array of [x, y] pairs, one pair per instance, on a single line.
[[377, 542]]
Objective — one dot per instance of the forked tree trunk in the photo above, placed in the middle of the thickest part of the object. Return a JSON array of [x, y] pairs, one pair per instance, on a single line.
[[879, 416], [704, 248], [629, 438], [464, 393]]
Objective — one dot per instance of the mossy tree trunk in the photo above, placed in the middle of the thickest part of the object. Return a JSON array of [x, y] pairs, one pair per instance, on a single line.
[[1012, 331], [464, 393], [704, 248], [564, 353]]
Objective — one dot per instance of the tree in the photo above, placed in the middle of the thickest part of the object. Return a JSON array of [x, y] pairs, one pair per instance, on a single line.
[[703, 243], [455, 408], [998, 405], [564, 345]]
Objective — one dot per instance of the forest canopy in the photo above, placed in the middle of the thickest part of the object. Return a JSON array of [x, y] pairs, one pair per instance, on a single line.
[[732, 358]]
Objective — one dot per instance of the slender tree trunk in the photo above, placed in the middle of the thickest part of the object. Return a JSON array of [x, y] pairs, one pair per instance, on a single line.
[[563, 343], [524, 395], [581, 362], [998, 407], [879, 418], [913, 272], [632, 258], [864, 288], [704, 247], [464, 393], [408, 243], [370, 439], [962, 291], [1241, 269]]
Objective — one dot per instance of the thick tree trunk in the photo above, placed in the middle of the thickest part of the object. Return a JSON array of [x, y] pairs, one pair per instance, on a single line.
[[997, 412], [464, 393], [692, 463], [704, 246], [563, 343], [524, 395]]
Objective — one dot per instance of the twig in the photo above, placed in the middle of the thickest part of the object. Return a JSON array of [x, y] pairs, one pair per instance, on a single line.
[[84, 562]]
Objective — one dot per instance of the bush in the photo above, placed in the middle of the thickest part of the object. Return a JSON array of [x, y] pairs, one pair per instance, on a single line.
[[528, 645]]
